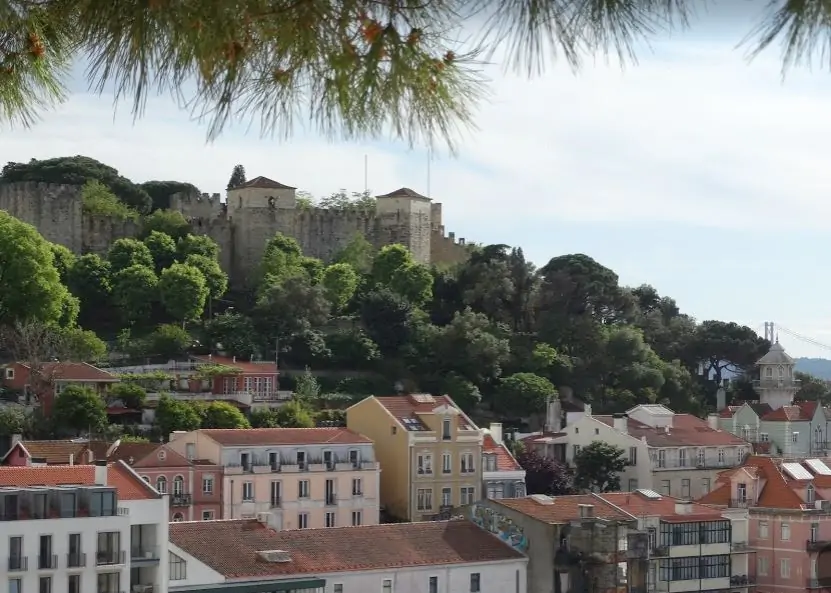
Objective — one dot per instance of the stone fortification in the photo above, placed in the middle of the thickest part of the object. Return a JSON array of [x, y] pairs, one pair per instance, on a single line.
[[241, 226]]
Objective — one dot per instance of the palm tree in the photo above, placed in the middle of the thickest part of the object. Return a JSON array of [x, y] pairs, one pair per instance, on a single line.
[[354, 66]]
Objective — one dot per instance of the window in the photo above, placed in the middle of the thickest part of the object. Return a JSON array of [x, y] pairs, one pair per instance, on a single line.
[[695, 533], [496, 490], [301, 459], [665, 487], [701, 457], [424, 499], [354, 458], [74, 559], [274, 461], [445, 429], [303, 489], [393, 430], [785, 532], [248, 491], [328, 460], [763, 530], [682, 458], [662, 458], [425, 464], [9, 373], [446, 463], [434, 585], [109, 548], [303, 521], [178, 486], [814, 531], [276, 493], [633, 484], [387, 586], [596, 431], [245, 461], [208, 485], [705, 485], [357, 487], [45, 585], [467, 463], [330, 519], [337, 588], [178, 517], [45, 557], [176, 567], [785, 568], [329, 492], [576, 430], [468, 495], [15, 586], [357, 518], [685, 488], [694, 568], [795, 437], [161, 484], [764, 437], [146, 479], [207, 515], [721, 455], [762, 567], [475, 583], [633, 456], [489, 462], [446, 497], [190, 451], [741, 492], [576, 449]]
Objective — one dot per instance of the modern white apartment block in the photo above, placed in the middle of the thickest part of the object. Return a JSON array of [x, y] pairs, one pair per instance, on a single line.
[[81, 529]]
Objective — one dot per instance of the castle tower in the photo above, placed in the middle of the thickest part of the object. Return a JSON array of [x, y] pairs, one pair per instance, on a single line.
[[776, 385], [261, 192], [403, 217]]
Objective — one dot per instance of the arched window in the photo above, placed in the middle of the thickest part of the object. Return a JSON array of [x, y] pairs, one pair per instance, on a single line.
[[177, 517], [768, 372], [161, 484], [146, 479], [178, 486], [781, 371]]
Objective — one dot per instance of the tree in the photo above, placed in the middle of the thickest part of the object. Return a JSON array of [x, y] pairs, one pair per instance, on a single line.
[[162, 248], [598, 467], [173, 415], [131, 395], [134, 290], [223, 415], [307, 389], [358, 253], [183, 291], [234, 332], [125, 253], [81, 344], [262, 418], [281, 259], [293, 415], [198, 245], [30, 286], [544, 475], [290, 307], [64, 259], [160, 192], [524, 394], [98, 200], [215, 279], [12, 421], [90, 280], [341, 200], [80, 410], [169, 340], [167, 222], [721, 346], [330, 417], [387, 261], [340, 281], [811, 388], [414, 282], [237, 177]]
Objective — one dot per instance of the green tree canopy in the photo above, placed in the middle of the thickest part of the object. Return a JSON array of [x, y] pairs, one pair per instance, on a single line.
[[524, 394], [223, 415], [598, 467], [125, 253], [215, 279], [340, 282], [173, 415], [168, 222], [131, 395], [80, 410], [162, 248], [160, 192], [198, 245], [237, 177], [134, 291], [294, 415], [183, 291]]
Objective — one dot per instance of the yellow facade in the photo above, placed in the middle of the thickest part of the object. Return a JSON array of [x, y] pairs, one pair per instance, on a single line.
[[424, 470]]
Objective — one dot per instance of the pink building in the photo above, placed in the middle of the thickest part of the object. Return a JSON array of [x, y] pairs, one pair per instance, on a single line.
[[295, 478], [194, 486], [789, 504]]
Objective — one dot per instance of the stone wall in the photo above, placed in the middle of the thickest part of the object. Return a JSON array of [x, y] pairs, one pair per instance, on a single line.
[[100, 232], [55, 210], [446, 249]]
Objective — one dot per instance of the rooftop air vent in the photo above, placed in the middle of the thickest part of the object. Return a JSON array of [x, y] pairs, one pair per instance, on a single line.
[[542, 499]]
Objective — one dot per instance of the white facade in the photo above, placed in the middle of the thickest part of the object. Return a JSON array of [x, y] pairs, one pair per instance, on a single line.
[[119, 552], [505, 576]]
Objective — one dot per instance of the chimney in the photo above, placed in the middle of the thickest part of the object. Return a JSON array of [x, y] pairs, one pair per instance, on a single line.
[[683, 507], [553, 416], [72, 459], [586, 511], [621, 423], [721, 399], [712, 420], [588, 411], [496, 432], [16, 438], [175, 435], [90, 456], [101, 472], [234, 360]]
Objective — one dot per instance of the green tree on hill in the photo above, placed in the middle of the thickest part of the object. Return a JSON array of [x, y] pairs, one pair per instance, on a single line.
[[237, 177]]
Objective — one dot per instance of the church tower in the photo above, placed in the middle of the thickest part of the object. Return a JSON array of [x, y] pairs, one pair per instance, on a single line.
[[776, 384]]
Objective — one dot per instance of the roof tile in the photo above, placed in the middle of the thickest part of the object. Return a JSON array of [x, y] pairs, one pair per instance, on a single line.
[[409, 407], [231, 437], [563, 508], [686, 430], [505, 462], [128, 485]]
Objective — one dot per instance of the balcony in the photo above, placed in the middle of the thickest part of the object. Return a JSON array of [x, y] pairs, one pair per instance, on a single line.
[[181, 500], [696, 463], [331, 500], [139, 553], [276, 502], [817, 545], [742, 580], [142, 588], [777, 383], [48, 562], [76, 560], [740, 547], [659, 552], [18, 563], [110, 557], [740, 503]]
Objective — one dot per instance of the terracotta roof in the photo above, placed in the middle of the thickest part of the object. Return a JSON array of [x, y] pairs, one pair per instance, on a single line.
[[162, 457], [759, 408], [261, 182], [505, 462], [128, 485], [258, 368], [686, 431], [74, 371], [338, 549], [59, 452], [132, 452], [802, 411], [283, 436], [778, 490], [404, 192], [563, 508], [407, 409], [664, 507], [729, 411]]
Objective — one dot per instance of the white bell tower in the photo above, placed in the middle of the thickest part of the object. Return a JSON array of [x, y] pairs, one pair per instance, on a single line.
[[776, 384]]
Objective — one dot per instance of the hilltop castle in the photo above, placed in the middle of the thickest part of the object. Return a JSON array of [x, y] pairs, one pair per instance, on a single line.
[[252, 214]]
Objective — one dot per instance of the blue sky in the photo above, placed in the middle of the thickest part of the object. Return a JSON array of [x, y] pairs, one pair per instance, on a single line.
[[694, 170]]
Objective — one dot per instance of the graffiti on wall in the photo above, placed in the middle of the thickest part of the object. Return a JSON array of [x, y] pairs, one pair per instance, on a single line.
[[499, 525]]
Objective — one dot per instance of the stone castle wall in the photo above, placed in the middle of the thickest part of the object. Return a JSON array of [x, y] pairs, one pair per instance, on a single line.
[[54, 210]]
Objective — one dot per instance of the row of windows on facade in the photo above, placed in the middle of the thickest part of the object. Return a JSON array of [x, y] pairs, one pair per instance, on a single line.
[[108, 582], [785, 531], [424, 497], [694, 568], [702, 532], [424, 463], [446, 429], [108, 551], [261, 385], [496, 490], [301, 459], [763, 567], [179, 485], [303, 490], [748, 433], [44, 505], [741, 493], [665, 487]]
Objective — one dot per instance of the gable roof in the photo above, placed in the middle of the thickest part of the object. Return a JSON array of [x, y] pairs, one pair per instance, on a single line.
[[562, 509], [505, 462], [128, 485], [686, 431], [776, 355], [408, 409], [335, 549], [132, 452], [777, 490], [404, 192], [242, 437], [261, 182], [61, 452], [798, 412], [73, 371], [664, 507], [258, 368]]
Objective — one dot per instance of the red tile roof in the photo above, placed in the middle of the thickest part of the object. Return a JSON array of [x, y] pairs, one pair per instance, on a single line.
[[801, 411], [73, 371], [409, 408], [778, 489], [686, 431], [261, 182], [60, 452], [664, 507], [283, 436], [247, 368], [128, 484], [505, 462], [729, 411], [562, 509], [339, 549], [132, 452], [404, 192]]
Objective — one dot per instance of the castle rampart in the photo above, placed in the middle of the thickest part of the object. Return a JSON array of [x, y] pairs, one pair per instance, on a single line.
[[54, 210]]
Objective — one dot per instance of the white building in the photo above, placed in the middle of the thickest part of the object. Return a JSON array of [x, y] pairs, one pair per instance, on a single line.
[[430, 557], [502, 476], [81, 529], [673, 454]]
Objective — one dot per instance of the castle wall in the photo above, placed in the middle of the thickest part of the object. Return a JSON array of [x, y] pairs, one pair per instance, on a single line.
[[322, 233], [98, 233], [55, 210], [195, 205], [446, 249]]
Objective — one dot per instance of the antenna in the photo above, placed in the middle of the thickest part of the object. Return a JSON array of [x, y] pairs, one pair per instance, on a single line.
[[366, 173]]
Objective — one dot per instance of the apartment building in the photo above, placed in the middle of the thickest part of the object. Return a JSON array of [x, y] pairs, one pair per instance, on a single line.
[[430, 453], [81, 529], [502, 476], [674, 454], [40, 384], [432, 557], [789, 505], [301, 477]]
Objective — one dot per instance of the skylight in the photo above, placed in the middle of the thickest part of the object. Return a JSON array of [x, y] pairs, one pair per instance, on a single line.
[[818, 466], [650, 494], [796, 471]]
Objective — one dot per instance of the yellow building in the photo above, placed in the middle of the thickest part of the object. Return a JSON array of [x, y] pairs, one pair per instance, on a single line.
[[430, 453]]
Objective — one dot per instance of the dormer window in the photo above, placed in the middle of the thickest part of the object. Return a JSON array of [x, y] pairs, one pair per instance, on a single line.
[[741, 492], [445, 429]]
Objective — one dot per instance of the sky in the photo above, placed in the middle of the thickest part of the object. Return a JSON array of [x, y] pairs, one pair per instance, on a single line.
[[695, 170]]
